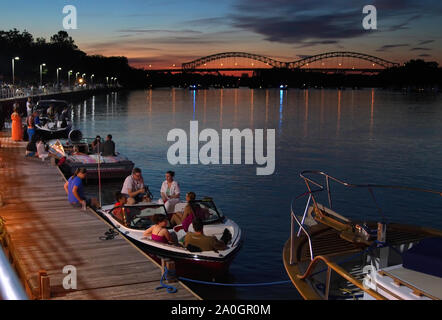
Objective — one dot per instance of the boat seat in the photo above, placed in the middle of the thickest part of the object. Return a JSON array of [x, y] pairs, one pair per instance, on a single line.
[[179, 207], [425, 257]]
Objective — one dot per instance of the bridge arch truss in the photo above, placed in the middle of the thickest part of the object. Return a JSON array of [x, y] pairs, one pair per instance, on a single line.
[[192, 65]]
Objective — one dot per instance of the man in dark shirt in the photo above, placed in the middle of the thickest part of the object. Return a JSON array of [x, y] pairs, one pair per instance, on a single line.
[[108, 147], [199, 240]]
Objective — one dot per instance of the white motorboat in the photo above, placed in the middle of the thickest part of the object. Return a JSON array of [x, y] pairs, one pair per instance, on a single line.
[[138, 218]]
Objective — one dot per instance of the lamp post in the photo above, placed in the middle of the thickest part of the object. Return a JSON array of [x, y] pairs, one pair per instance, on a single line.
[[41, 73], [107, 81], [13, 69], [69, 78], [92, 78], [58, 82], [76, 76]]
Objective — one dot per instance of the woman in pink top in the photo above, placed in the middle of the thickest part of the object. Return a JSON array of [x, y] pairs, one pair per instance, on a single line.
[[158, 231]]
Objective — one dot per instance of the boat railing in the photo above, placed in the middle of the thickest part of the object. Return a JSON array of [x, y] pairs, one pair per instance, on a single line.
[[331, 266], [325, 186]]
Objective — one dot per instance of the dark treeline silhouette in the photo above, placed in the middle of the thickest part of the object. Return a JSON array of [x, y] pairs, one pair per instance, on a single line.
[[59, 52]]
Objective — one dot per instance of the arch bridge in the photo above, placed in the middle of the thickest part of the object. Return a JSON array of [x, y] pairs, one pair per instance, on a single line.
[[193, 65]]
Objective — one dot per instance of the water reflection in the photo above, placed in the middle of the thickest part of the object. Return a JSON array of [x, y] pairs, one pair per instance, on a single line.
[[317, 129]]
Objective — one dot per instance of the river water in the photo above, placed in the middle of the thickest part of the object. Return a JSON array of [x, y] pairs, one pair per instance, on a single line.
[[360, 136]]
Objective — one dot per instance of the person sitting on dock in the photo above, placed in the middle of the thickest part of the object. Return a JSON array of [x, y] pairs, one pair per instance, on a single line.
[[74, 190], [119, 210], [158, 231], [134, 187], [108, 147], [170, 192], [198, 240]]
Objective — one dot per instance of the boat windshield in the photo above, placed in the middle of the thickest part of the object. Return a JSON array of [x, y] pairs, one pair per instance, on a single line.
[[137, 217], [209, 212]]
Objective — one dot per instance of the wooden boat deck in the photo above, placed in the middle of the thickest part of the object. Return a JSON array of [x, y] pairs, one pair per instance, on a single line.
[[44, 233], [328, 243]]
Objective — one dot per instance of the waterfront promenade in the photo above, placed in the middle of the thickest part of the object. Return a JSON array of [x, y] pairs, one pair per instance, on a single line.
[[43, 234]]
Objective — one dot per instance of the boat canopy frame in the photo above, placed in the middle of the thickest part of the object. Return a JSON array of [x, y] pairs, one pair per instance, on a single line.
[[314, 187]]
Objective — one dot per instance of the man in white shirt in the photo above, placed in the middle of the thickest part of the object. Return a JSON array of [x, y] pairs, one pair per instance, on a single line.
[[134, 187]]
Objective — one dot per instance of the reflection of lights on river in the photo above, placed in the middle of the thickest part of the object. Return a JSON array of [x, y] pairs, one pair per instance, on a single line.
[[194, 103], [281, 101]]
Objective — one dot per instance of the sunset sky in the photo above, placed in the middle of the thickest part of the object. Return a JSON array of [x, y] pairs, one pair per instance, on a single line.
[[162, 33]]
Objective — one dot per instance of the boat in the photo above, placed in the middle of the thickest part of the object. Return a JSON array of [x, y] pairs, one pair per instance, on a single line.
[[331, 257], [98, 166], [55, 127], [138, 218]]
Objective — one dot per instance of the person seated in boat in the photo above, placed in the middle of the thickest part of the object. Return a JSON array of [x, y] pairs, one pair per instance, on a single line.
[[76, 151], [96, 145], [119, 210], [158, 231], [191, 211], [50, 112], [108, 147], [200, 240], [74, 190], [170, 192], [134, 188]]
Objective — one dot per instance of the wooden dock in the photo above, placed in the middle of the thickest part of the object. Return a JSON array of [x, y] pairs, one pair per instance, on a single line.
[[43, 234]]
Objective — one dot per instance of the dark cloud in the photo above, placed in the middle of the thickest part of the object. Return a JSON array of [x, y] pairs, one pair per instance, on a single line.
[[307, 22], [425, 42], [420, 49], [187, 31], [392, 46]]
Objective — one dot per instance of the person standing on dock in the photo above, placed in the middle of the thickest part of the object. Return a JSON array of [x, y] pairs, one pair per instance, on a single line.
[[30, 121], [108, 147], [17, 130], [170, 192], [29, 107]]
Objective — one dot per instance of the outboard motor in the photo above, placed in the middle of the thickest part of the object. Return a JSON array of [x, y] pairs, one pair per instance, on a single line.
[[75, 135]]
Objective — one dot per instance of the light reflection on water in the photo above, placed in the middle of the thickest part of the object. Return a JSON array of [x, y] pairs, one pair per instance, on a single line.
[[362, 136]]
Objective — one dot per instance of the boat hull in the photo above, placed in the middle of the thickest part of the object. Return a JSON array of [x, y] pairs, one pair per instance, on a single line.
[[188, 265]]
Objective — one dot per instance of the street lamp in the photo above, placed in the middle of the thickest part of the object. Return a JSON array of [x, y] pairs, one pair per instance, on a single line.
[[41, 73], [92, 78], [58, 82], [13, 69], [76, 76], [69, 78], [107, 81]]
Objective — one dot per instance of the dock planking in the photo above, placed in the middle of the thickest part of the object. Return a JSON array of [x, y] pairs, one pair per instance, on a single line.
[[43, 232]]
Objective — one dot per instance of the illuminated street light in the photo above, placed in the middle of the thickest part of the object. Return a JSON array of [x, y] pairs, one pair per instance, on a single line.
[[69, 78], [58, 82], [13, 69], [41, 73]]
